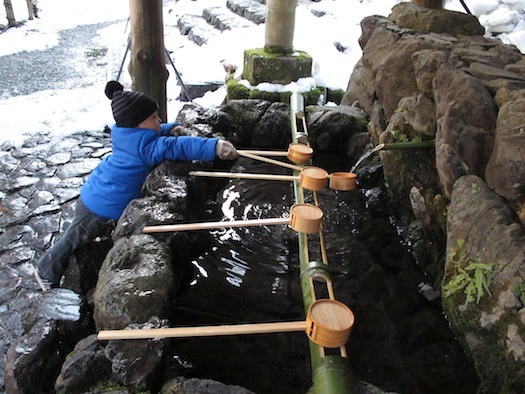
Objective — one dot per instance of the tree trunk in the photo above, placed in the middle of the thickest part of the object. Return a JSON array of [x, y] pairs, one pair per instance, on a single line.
[[147, 65], [280, 25], [11, 21], [429, 3], [30, 9]]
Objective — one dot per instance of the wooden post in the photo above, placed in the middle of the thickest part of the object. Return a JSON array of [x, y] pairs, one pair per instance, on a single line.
[[147, 65], [11, 21], [30, 9]]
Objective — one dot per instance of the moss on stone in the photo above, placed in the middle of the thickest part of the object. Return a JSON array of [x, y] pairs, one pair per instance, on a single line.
[[107, 386], [236, 91], [312, 97], [270, 53], [261, 65], [335, 96]]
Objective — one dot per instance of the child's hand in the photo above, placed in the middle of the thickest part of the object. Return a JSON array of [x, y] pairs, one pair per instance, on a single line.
[[226, 150]]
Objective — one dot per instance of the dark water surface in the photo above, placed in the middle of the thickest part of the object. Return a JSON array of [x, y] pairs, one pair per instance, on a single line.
[[400, 342]]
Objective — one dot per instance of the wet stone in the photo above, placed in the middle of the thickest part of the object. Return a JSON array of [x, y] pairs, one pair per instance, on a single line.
[[35, 165], [7, 162], [42, 243], [50, 183], [65, 145], [46, 209], [15, 236], [81, 152], [19, 255], [21, 152], [99, 153], [94, 145], [71, 183], [23, 182], [46, 223], [41, 198], [59, 158], [9, 287], [66, 194], [82, 167]]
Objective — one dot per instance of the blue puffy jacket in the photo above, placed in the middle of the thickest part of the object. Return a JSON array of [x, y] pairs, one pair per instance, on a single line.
[[119, 177]]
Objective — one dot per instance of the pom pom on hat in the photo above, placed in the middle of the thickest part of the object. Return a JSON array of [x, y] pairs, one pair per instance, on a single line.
[[129, 108], [112, 87]]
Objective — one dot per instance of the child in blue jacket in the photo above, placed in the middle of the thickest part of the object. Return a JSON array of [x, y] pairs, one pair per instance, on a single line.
[[139, 142]]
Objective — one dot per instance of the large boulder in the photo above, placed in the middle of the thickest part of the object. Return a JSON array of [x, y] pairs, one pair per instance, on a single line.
[[136, 282], [32, 361], [426, 20], [137, 363], [466, 118], [203, 386], [85, 366], [331, 128], [484, 240], [242, 116], [505, 170]]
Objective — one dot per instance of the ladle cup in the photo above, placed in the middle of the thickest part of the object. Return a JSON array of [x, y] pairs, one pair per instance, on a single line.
[[343, 181], [304, 218]]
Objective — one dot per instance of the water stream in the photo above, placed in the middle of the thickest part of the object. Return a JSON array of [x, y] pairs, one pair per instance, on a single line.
[[400, 342]]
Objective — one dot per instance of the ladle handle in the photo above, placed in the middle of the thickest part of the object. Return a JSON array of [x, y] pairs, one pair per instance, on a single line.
[[180, 332], [263, 152], [267, 177], [212, 225], [271, 161]]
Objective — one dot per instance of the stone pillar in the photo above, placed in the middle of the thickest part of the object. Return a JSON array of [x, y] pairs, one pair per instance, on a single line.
[[280, 25]]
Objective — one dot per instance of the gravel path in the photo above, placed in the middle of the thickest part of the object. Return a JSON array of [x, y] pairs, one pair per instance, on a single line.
[[74, 62]]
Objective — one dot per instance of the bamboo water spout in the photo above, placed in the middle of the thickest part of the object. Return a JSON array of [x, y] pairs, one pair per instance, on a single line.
[[408, 145], [330, 374]]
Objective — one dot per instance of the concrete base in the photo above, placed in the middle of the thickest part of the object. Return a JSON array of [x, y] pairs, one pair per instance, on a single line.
[[261, 66]]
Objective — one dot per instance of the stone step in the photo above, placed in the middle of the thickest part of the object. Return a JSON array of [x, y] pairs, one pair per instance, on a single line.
[[244, 14], [224, 19], [196, 28], [252, 10]]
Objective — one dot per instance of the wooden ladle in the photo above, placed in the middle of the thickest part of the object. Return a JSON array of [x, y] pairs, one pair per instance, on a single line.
[[310, 178], [297, 153], [304, 218], [328, 324]]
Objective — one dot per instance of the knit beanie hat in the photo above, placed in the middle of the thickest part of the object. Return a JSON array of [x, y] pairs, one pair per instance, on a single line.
[[129, 108]]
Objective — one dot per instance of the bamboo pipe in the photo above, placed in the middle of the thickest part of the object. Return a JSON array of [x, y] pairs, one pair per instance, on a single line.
[[266, 177], [212, 225], [202, 331], [408, 145], [271, 161], [330, 374]]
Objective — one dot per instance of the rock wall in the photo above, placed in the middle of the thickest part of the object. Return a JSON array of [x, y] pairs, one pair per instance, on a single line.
[[430, 74]]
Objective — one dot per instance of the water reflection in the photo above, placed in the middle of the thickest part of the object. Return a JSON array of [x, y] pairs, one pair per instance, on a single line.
[[252, 274]]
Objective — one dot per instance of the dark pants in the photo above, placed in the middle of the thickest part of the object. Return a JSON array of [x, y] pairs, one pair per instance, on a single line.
[[86, 226]]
